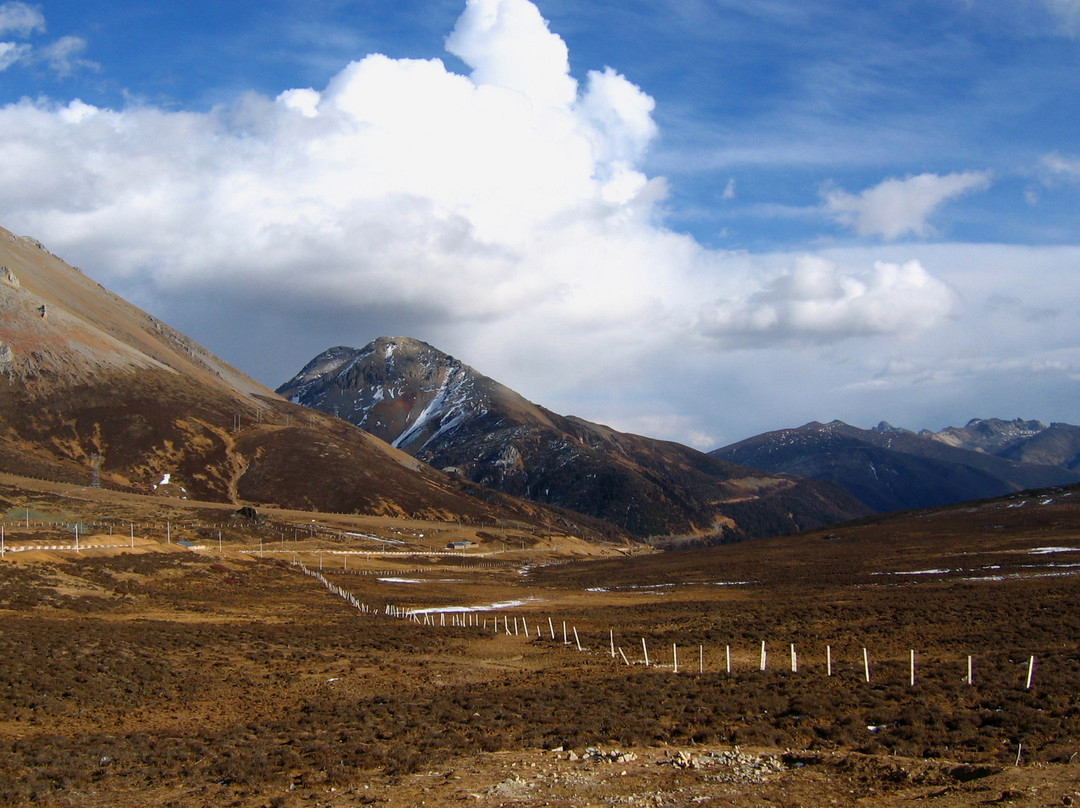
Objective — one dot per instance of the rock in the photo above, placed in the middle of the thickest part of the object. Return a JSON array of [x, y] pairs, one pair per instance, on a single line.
[[9, 276]]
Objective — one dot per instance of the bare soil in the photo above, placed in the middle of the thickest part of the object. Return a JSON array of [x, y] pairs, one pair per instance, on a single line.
[[160, 675]]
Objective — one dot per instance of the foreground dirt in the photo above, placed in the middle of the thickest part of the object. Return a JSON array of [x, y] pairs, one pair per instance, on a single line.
[[159, 675]]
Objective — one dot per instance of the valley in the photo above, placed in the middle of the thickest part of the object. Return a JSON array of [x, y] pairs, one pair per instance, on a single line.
[[220, 674], [212, 595]]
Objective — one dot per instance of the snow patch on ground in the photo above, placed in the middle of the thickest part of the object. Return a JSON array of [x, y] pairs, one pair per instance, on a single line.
[[490, 607]]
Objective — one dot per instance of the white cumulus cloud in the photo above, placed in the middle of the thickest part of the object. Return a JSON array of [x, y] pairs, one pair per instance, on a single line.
[[818, 298], [507, 44], [503, 214], [898, 207]]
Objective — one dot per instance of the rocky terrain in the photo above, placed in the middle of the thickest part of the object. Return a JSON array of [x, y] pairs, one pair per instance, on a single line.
[[452, 417], [894, 469]]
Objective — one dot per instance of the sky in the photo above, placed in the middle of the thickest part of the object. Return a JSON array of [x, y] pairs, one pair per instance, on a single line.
[[697, 220]]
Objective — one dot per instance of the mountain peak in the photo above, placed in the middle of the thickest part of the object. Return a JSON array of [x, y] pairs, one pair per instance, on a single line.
[[399, 389], [445, 413]]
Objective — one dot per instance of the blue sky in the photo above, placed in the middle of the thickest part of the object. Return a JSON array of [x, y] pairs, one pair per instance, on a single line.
[[697, 220]]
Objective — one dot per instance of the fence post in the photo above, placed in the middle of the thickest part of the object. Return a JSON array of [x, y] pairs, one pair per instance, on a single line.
[[645, 650], [763, 656], [866, 664], [1031, 672]]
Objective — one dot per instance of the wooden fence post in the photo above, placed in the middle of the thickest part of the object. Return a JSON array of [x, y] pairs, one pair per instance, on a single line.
[[645, 651], [866, 664]]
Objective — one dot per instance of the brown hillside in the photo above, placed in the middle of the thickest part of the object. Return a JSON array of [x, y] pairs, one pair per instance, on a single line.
[[88, 380]]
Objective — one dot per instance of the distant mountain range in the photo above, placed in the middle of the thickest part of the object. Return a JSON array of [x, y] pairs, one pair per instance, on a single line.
[[895, 469], [93, 389], [445, 413]]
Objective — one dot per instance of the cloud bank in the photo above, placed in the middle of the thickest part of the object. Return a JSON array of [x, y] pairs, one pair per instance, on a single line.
[[817, 300], [503, 214]]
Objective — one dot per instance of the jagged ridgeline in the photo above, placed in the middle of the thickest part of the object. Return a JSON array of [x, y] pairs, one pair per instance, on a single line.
[[897, 469], [445, 413]]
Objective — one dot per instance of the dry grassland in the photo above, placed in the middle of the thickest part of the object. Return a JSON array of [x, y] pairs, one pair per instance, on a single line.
[[164, 676]]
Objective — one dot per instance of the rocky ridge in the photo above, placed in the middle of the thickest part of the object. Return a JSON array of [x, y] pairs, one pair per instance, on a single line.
[[447, 414]]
